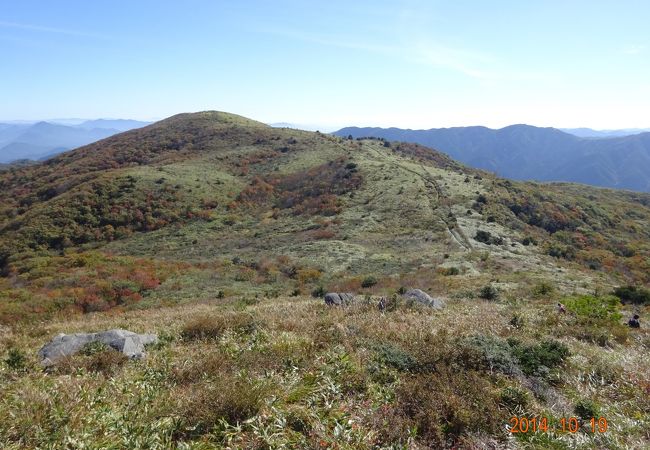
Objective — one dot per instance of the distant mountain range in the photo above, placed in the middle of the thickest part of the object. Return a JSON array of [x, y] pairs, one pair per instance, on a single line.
[[598, 134], [34, 141], [525, 152]]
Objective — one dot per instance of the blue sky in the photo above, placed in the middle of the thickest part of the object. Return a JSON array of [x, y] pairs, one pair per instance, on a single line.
[[417, 64]]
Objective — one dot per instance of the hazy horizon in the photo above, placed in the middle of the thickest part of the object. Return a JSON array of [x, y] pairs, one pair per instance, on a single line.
[[309, 127]]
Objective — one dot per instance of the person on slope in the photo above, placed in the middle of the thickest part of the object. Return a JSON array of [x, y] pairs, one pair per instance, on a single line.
[[634, 322]]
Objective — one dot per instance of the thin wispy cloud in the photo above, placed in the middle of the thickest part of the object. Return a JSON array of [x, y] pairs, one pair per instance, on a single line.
[[331, 41], [476, 65], [634, 49], [51, 30], [436, 55]]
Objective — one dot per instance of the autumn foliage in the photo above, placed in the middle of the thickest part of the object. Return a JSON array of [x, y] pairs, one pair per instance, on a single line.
[[312, 191]]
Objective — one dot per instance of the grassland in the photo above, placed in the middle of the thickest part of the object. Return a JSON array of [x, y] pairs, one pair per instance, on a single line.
[[291, 372], [213, 230]]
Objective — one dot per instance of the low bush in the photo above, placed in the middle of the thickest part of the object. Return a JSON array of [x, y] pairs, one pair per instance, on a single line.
[[587, 409], [106, 362], [214, 364], [488, 353], [94, 357], [487, 238], [633, 294], [528, 240], [594, 309], [213, 327], [515, 399], [449, 271], [596, 319], [442, 407], [538, 359], [229, 398], [369, 282], [489, 292], [318, 292], [543, 289], [395, 357], [16, 359]]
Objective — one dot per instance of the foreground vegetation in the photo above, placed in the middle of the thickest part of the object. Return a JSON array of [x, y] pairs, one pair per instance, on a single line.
[[292, 372]]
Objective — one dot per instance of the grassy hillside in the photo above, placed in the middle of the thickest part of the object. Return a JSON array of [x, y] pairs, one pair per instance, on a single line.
[[214, 230]]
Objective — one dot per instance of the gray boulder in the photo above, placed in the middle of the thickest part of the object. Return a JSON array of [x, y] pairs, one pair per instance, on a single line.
[[126, 342], [416, 295], [338, 298]]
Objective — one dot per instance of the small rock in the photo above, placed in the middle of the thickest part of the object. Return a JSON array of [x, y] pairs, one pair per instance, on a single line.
[[423, 298], [126, 342]]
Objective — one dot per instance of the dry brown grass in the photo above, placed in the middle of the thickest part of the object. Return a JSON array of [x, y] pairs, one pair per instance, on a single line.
[[214, 326], [107, 362], [228, 397]]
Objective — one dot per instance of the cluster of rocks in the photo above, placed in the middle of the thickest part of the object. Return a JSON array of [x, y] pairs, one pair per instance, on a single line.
[[412, 295], [338, 299], [126, 342]]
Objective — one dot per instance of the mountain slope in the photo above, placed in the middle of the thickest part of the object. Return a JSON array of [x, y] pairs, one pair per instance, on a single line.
[[215, 231], [194, 186], [529, 153]]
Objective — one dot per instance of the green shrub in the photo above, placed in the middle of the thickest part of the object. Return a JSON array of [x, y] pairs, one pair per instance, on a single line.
[[596, 319], [543, 289], [633, 294], [488, 353], [369, 281], [165, 339], [318, 292], [528, 240], [538, 359], [489, 292], [561, 251], [514, 398], [395, 357], [587, 409], [594, 309], [16, 359], [483, 236]]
